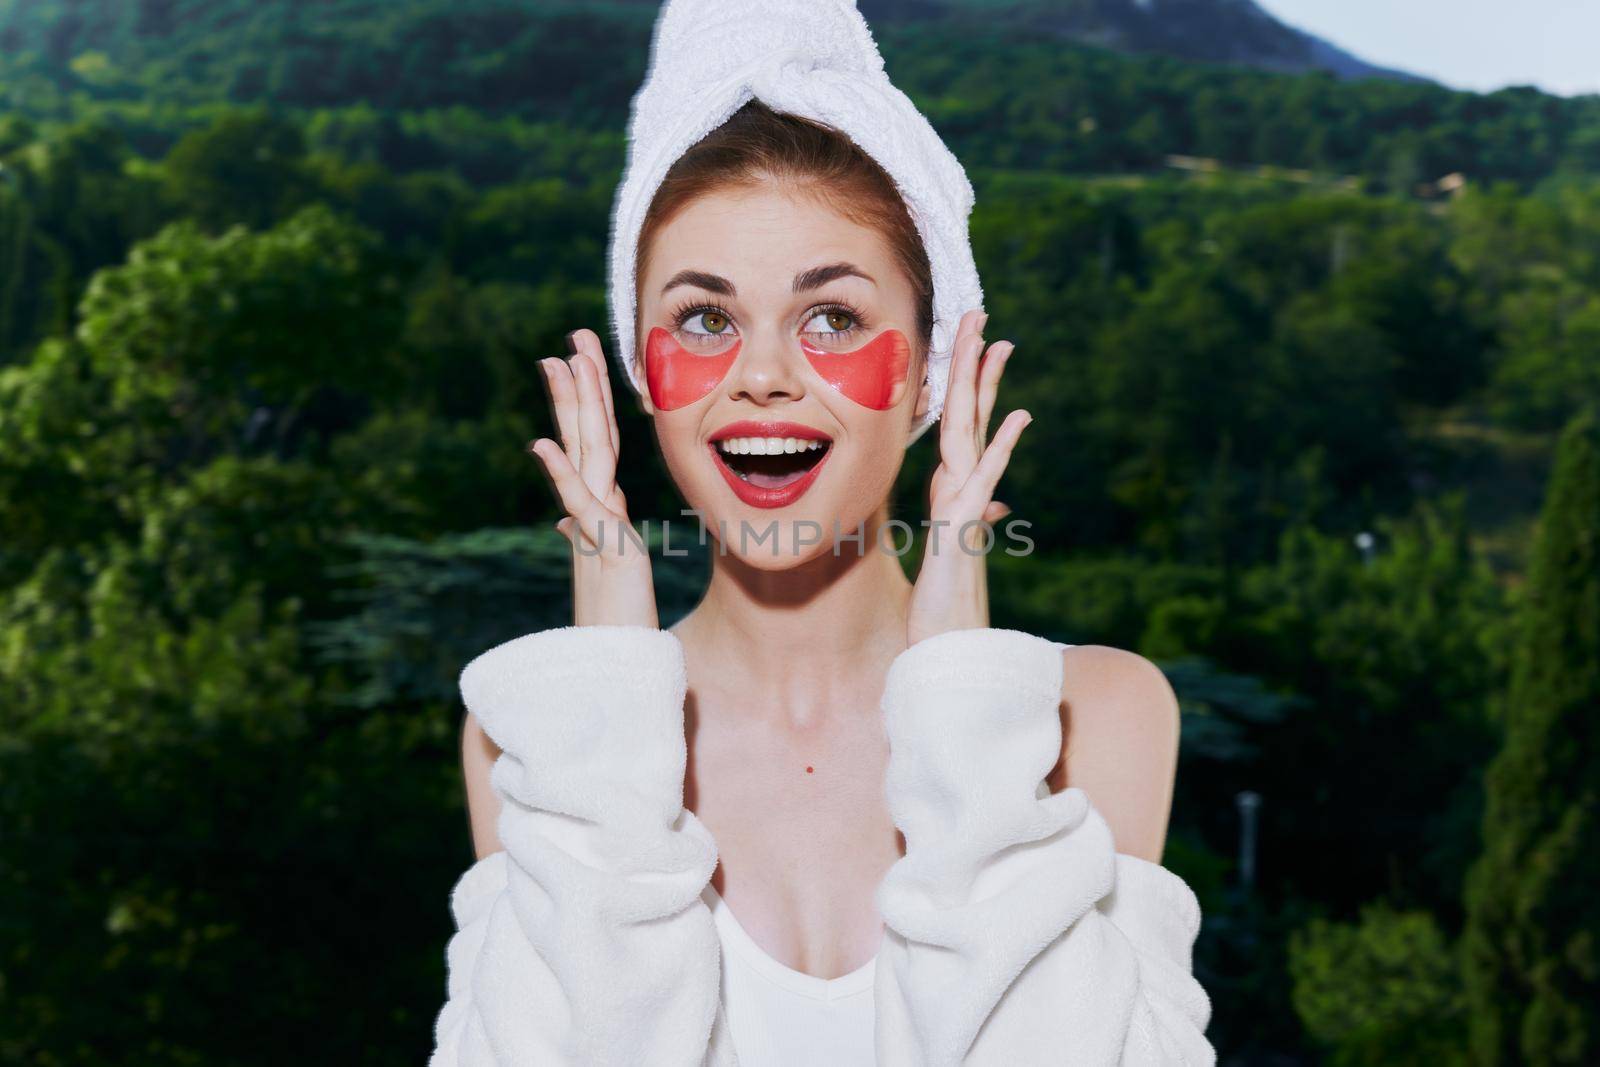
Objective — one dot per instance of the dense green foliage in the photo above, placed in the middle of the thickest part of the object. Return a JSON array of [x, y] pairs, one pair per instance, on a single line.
[[268, 307], [1532, 949], [476, 84]]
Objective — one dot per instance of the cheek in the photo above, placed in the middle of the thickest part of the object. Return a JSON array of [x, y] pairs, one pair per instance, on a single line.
[[871, 375], [678, 377]]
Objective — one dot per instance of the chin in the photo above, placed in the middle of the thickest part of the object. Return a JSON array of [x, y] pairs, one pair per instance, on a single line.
[[775, 545], [777, 538], [781, 539]]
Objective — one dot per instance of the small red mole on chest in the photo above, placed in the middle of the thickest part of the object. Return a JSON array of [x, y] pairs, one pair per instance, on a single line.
[[808, 769]]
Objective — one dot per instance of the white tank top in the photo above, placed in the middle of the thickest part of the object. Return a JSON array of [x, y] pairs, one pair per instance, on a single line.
[[781, 1017]]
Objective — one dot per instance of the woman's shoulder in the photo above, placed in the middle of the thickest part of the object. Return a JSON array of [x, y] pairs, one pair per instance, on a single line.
[[1093, 672], [1120, 726], [1096, 673]]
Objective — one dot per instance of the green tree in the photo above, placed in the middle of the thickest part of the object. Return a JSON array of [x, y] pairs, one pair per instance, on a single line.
[[246, 338], [247, 167], [1532, 947], [1383, 990]]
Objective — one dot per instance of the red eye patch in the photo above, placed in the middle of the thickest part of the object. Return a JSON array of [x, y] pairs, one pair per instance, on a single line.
[[678, 377], [871, 375]]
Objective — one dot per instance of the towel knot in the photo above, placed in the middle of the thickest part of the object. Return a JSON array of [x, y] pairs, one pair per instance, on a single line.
[[779, 68]]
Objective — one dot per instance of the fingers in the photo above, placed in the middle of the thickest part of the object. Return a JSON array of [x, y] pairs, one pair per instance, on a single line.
[[576, 498], [974, 383], [599, 465], [997, 455], [564, 403], [995, 511], [580, 396], [588, 344], [957, 448], [994, 364], [583, 466]]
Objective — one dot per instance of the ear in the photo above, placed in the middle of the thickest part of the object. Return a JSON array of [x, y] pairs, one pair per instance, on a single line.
[[646, 405]]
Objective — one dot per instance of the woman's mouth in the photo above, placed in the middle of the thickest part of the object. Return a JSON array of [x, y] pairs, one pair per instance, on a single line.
[[772, 471]]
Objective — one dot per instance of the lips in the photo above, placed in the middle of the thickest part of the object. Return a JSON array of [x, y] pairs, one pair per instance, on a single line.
[[775, 428], [770, 480]]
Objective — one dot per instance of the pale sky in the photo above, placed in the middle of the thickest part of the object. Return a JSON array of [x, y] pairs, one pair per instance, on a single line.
[[1465, 44]]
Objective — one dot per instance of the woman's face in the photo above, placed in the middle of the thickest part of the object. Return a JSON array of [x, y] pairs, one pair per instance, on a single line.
[[765, 315]]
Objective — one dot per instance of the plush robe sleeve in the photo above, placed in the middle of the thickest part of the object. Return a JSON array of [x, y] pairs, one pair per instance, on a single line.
[[585, 941], [1015, 932]]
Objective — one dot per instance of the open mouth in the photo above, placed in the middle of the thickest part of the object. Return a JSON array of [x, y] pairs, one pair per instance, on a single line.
[[771, 462]]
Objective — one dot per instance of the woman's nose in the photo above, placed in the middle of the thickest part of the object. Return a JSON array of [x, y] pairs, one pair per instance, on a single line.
[[767, 369]]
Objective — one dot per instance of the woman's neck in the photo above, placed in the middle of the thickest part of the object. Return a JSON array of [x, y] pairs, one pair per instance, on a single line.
[[802, 630]]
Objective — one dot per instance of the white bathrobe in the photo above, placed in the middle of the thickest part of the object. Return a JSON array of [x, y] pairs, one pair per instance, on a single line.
[[1015, 935]]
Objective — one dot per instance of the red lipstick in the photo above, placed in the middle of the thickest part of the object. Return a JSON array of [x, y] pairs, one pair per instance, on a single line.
[[760, 496]]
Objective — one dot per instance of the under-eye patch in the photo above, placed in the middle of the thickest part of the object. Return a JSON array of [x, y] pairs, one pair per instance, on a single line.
[[871, 375], [678, 377]]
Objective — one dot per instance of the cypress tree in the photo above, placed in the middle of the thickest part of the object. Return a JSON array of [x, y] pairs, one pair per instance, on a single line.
[[1531, 948]]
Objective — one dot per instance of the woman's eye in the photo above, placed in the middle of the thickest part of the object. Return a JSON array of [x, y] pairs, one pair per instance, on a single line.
[[835, 320], [716, 323]]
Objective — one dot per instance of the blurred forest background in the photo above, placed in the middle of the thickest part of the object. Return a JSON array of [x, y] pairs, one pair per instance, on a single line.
[[1316, 358]]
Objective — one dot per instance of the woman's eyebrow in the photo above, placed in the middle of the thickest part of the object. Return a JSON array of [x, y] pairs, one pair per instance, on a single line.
[[817, 277], [699, 278], [806, 280]]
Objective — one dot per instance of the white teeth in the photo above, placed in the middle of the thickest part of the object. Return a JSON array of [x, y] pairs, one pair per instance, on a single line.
[[768, 446]]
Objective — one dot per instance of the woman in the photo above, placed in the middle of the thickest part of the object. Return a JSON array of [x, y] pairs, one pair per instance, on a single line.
[[859, 768]]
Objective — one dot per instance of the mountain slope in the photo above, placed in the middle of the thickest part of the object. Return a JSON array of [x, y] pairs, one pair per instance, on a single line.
[[1217, 31]]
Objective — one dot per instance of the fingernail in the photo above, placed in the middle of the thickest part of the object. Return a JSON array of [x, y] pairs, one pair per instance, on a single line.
[[572, 343], [533, 446]]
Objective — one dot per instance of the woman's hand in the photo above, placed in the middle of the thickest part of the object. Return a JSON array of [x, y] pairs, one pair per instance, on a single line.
[[951, 590], [611, 583]]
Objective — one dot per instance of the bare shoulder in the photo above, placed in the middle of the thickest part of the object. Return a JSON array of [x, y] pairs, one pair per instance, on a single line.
[[478, 754], [1114, 687], [1119, 726]]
